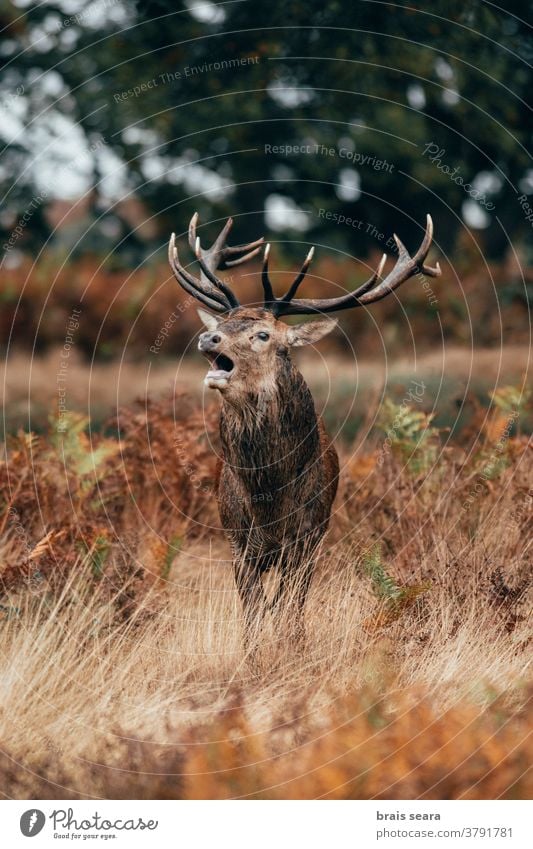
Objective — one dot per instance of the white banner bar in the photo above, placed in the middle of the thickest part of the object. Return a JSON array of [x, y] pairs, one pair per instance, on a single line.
[[269, 825]]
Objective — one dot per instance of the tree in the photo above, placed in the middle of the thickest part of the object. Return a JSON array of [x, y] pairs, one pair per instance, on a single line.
[[373, 111]]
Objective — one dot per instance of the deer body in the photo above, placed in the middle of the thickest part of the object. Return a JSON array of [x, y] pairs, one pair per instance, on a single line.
[[278, 474]]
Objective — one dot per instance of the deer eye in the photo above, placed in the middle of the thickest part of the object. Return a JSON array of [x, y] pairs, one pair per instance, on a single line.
[[263, 336]]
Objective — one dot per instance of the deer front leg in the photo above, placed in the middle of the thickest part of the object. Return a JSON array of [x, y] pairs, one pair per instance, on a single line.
[[254, 604]]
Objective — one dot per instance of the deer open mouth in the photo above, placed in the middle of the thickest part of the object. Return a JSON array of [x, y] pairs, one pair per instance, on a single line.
[[220, 372]]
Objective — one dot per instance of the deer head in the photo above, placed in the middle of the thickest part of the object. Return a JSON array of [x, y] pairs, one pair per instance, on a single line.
[[245, 348], [246, 345]]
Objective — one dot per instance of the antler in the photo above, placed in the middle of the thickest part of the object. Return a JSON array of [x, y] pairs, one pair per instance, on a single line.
[[209, 289], [406, 267], [216, 295]]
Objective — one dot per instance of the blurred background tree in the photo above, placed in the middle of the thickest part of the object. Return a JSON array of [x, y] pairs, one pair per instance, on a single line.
[[134, 114]]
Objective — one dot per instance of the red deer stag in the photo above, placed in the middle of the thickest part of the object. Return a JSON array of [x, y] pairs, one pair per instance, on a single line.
[[278, 477]]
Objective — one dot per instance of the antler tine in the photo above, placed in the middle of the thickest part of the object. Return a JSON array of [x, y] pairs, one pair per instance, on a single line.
[[289, 295], [192, 230], [221, 256], [232, 299], [220, 240], [215, 294], [238, 251], [218, 244], [257, 245], [405, 267], [209, 262], [371, 280], [277, 305], [265, 280], [218, 255], [191, 284], [423, 251]]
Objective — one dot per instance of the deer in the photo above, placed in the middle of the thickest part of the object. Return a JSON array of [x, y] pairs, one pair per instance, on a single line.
[[278, 472]]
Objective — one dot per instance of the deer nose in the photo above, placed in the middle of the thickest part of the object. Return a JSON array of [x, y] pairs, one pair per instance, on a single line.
[[209, 341]]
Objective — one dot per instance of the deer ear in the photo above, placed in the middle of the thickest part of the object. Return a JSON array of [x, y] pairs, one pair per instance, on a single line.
[[208, 319], [306, 334]]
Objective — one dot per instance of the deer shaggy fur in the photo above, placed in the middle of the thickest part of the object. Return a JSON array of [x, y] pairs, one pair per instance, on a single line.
[[278, 474]]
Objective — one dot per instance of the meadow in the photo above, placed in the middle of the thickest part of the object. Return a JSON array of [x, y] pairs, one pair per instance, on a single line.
[[122, 667]]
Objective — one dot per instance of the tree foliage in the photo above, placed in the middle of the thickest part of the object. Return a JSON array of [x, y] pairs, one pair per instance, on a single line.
[[223, 90]]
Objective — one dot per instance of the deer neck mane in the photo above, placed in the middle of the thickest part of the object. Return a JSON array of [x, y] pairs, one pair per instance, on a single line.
[[269, 436]]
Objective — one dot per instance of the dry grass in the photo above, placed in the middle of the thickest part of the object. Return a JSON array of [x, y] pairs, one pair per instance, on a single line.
[[341, 386], [122, 669]]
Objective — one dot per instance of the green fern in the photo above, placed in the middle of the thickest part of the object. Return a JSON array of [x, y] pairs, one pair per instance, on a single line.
[[95, 555], [383, 584], [511, 399], [9, 612], [409, 434], [174, 546], [98, 555], [85, 459], [395, 599]]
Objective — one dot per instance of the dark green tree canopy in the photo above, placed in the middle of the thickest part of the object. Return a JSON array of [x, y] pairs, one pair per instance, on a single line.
[[291, 116]]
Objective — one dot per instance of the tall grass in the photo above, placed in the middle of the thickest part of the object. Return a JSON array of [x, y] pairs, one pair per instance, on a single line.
[[122, 669]]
